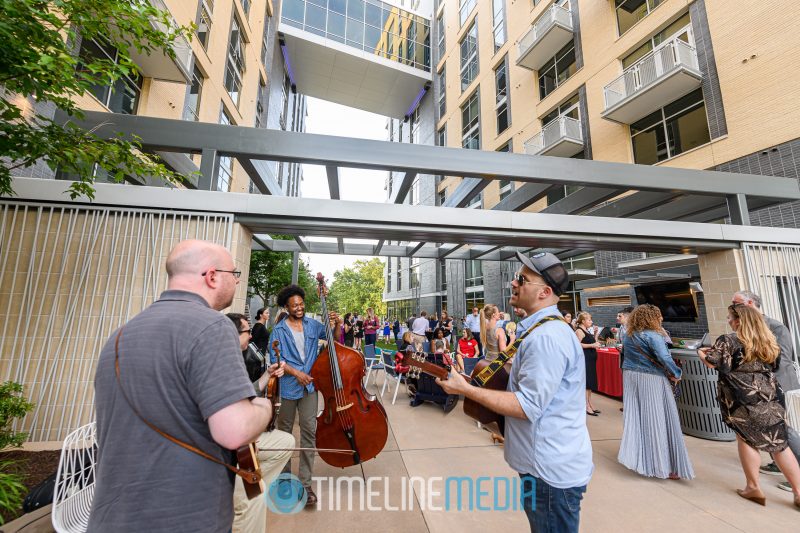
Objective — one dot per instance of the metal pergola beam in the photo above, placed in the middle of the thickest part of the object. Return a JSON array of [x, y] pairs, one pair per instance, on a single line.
[[468, 189], [400, 193], [581, 200], [524, 197], [369, 220], [161, 134], [414, 249], [301, 244], [260, 176]]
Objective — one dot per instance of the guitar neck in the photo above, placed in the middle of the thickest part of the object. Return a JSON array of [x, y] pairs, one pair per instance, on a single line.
[[417, 360]]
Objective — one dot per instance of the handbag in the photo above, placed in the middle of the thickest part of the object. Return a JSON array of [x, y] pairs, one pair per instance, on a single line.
[[676, 386]]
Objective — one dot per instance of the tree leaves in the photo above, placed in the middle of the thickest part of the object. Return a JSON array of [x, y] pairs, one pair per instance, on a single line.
[[357, 288], [39, 62]]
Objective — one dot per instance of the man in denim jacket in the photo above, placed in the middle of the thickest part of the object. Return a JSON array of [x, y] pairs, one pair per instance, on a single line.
[[298, 337]]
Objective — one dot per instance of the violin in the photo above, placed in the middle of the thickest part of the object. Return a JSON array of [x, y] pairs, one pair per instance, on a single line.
[[273, 389], [352, 419]]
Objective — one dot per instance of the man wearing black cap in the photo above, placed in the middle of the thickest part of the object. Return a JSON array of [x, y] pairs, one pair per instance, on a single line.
[[546, 439]]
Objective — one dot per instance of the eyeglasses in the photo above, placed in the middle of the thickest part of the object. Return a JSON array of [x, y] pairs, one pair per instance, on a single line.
[[245, 331], [520, 279], [236, 273]]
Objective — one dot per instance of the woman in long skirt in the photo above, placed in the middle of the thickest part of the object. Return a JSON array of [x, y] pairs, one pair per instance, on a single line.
[[652, 441]]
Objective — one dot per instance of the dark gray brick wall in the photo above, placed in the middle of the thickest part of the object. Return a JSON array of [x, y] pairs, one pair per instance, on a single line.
[[587, 138], [606, 262], [781, 160], [492, 283], [715, 112], [576, 30]]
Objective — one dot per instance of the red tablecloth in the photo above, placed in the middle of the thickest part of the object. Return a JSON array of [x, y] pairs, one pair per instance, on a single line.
[[609, 375]]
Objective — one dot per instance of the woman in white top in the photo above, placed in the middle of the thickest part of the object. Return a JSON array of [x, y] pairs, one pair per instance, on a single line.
[[493, 338]]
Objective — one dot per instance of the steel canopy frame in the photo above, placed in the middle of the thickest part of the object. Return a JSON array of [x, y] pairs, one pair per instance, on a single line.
[[398, 222], [159, 134]]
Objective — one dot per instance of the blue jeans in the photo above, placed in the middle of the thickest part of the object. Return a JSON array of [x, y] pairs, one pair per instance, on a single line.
[[556, 510]]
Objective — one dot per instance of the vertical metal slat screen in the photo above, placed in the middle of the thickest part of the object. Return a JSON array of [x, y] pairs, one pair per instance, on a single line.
[[68, 277], [773, 272]]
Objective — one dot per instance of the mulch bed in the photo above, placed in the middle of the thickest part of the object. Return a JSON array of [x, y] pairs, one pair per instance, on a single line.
[[34, 467]]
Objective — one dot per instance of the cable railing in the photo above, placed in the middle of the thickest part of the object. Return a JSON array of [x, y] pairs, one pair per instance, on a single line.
[[554, 14], [562, 128], [649, 69]]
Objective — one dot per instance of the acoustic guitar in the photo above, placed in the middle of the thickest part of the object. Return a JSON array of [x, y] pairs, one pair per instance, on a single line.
[[418, 364]]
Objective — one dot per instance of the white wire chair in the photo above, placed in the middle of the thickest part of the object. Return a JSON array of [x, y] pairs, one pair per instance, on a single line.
[[72, 498], [793, 408]]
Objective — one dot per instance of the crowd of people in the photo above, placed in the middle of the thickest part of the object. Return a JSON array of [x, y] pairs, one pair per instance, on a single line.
[[181, 381]]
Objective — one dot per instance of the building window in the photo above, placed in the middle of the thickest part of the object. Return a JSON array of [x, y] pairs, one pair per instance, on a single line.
[[502, 106], [285, 92], [475, 299], [680, 29], [441, 136], [557, 70], [440, 34], [389, 275], [224, 172], [414, 193], [415, 126], [443, 274], [442, 81], [259, 122], [629, 12], [569, 108], [413, 273], [120, 95], [234, 66], [246, 7], [192, 107], [203, 30], [469, 56], [471, 123], [505, 188], [397, 277], [499, 23], [673, 129], [442, 196], [476, 201], [473, 273], [465, 7]]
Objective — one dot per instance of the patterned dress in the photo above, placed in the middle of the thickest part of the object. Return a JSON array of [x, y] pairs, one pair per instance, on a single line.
[[750, 399]]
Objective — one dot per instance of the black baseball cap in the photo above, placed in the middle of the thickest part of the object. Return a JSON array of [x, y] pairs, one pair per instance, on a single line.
[[550, 268]]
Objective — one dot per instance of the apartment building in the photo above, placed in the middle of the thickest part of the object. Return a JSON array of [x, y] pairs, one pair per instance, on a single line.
[[706, 84]]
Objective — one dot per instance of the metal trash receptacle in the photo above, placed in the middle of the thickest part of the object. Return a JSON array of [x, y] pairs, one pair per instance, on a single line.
[[698, 407]]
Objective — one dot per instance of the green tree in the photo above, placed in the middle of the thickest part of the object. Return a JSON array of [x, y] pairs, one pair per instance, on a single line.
[[271, 271], [356, 288], [12, 406], [39, 61]]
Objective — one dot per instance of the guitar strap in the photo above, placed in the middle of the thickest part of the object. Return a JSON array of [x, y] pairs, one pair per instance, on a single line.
[[248, 476], [505, 356]]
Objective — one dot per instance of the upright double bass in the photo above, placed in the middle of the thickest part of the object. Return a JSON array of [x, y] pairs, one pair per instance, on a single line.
[[352, 419]]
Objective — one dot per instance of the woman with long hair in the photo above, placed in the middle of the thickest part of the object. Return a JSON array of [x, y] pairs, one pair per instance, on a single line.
[[750, 399], [652, 440], [590, 345], [347, 324], [493, 338]]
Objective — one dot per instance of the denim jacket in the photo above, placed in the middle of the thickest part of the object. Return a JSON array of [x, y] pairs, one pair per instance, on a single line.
[[652, 344], [312, 332]]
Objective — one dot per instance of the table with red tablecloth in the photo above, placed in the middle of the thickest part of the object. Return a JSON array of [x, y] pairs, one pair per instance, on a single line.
[[609, 375]]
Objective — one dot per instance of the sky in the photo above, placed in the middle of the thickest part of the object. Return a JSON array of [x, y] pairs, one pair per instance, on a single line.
[[327, 118]]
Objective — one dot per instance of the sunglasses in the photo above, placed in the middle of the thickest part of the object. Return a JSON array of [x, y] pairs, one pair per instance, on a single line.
[[245, 331], [520, 279]]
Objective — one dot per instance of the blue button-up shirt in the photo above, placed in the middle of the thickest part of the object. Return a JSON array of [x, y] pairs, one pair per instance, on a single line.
[[473, 322], [548, 376], [312, 332]]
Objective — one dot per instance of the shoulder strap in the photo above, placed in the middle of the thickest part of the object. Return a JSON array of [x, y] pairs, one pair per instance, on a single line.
[[503, 357], [246, 475]]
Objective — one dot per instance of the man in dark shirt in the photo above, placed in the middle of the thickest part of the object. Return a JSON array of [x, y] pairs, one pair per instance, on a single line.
[[181, 370]]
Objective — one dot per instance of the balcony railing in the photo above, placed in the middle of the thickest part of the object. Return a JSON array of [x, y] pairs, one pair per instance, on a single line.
[[559, 130], [650, 69], [554, 15], [152, 65]]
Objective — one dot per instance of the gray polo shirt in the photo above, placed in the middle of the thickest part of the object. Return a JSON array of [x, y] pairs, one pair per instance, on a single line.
[[180, 362]]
